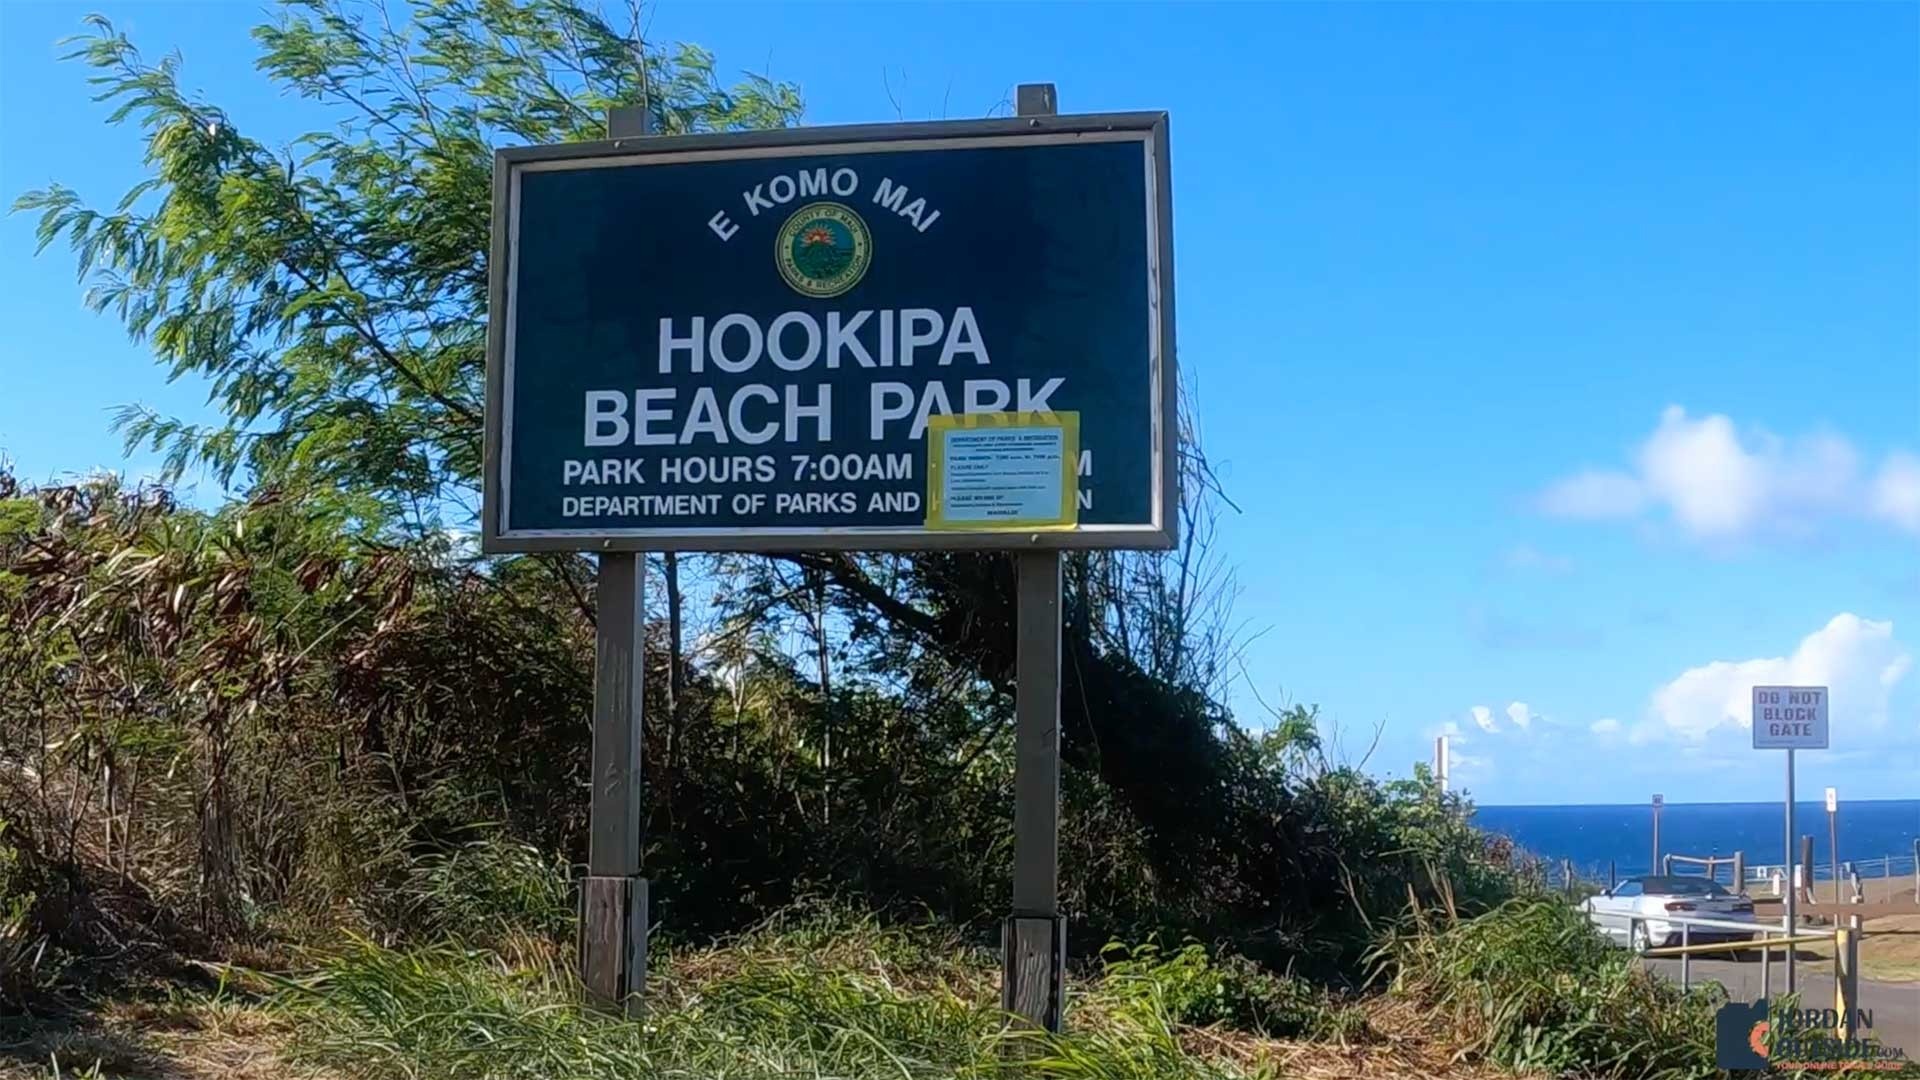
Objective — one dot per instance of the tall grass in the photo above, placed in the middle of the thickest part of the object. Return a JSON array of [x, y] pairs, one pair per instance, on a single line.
[[1532, 986], [852, 1000], [486, 890]]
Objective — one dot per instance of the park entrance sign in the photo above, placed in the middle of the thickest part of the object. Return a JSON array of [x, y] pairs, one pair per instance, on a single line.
[[903, 336], [950, 335]]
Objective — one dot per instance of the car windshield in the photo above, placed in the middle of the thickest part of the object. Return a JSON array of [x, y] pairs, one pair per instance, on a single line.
[[1683, 886]]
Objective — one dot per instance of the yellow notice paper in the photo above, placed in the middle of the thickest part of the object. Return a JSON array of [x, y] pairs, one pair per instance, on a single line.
[[1003, 470]]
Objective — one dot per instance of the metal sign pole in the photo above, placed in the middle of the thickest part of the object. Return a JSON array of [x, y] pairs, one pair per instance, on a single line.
[[1034, 937], [1833, 841], [1654, 866], [613, 898], [1793, 922]]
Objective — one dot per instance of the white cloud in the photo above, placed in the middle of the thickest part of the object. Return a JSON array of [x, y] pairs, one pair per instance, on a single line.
[[1605, 726], [1596, 494], [1719, 486], [1701, 472], [1896, 491], [1521, 716], [1859, 659], [1483, 716], [1525, 558]]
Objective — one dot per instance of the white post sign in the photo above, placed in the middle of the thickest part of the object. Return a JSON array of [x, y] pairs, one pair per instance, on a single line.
[[1833, 800], [1789, 718]]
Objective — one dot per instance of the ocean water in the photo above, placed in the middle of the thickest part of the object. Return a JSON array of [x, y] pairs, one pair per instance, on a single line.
[[1592, 835]]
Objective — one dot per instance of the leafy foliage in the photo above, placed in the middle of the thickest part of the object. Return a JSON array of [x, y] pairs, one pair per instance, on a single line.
[[1192, 989], [333, 291], [1533, 986]]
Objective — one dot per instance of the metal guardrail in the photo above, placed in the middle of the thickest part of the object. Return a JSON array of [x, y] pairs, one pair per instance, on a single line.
[[1844, 939], [1871, 868], [1686, 950], [1565, 873]]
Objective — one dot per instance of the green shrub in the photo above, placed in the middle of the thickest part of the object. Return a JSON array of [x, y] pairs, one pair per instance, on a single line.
[[1190, 989], [1531, 985]]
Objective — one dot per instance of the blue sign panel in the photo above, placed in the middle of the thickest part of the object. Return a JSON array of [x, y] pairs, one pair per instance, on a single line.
[[933, 335]]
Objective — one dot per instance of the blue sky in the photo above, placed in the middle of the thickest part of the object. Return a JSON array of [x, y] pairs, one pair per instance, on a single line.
[[1564, 358]]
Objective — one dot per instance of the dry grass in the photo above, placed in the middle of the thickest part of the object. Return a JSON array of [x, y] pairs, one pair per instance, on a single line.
[[1408, 1044], [180, 1040]]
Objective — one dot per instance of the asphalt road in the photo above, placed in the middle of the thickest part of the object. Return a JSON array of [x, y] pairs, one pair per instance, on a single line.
[[1895, 1006]]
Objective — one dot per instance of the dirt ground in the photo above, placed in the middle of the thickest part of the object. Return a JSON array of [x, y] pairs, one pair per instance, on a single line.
[[1890, 949]]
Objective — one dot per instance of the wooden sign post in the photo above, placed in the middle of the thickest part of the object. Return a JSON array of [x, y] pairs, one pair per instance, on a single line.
[[1034, 941], [1034, 938], [613, 896]]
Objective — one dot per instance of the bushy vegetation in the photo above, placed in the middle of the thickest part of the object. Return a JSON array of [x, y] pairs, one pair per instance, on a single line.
[[1190, 988], [241, 725], [1532, 986]]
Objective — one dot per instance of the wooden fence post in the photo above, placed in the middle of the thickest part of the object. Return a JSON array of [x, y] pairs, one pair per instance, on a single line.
[[1846, 977]]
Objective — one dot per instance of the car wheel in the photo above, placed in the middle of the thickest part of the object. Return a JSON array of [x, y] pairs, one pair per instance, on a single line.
[[1642, 941]]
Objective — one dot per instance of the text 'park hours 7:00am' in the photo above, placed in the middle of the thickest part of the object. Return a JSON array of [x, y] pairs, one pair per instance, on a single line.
[[736, 469]]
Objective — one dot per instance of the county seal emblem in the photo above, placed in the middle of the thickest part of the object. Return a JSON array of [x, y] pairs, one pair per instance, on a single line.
[[823, 249]]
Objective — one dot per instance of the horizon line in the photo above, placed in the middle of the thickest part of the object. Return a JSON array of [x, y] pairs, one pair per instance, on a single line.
[[1647, 804]]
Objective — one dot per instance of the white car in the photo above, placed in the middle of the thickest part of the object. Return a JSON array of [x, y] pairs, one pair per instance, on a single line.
[[1640, 912]]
